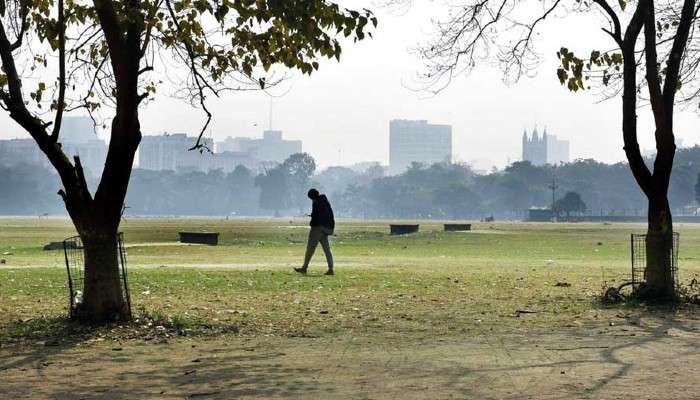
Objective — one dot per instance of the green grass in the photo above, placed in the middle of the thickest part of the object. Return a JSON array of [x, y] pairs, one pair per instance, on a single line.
[[431, 283]]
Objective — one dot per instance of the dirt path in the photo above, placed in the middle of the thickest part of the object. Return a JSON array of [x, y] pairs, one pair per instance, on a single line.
[[618, 362]]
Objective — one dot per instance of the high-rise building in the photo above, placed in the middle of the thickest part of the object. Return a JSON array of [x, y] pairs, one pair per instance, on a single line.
[[227, 161], [171, 152], [544, 150], [77, 138], [77, 130], [22, 151], [271, 148], [419, 142]]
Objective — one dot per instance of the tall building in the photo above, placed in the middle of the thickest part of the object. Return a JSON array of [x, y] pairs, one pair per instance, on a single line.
[[418, 141], [170, 152], [77, 138], [77, 130], [544, 150], [271, 148], [22, 151], [227, 161]]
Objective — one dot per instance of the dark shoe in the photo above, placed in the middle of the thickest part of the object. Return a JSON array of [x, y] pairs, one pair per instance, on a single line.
[[329, 272], [301, 270]]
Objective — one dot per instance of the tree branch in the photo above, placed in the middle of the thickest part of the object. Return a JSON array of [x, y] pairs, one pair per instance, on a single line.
[[200, 82], [616, 34], [107, 16], [629, 100], [652, 68], [61, 72], [82, 182], [676, 55]]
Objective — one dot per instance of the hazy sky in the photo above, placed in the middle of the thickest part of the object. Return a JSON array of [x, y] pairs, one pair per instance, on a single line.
[[342, 112]]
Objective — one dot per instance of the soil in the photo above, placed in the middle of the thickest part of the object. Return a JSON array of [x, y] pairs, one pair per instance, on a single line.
[[632, 360]]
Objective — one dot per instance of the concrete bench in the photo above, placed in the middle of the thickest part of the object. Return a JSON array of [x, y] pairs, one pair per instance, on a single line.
[[59, 245], [458, 227], [396, 229], [210, 238]]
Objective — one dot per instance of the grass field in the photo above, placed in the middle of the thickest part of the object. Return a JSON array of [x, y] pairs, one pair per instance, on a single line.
[[482, 314]]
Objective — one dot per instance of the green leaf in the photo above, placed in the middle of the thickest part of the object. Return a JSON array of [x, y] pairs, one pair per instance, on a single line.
[[562, 75]]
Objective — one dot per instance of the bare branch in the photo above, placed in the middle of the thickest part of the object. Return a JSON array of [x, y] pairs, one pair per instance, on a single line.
[[61, 72], [675, 57], [616, 34], [651, 65], [199, 81]]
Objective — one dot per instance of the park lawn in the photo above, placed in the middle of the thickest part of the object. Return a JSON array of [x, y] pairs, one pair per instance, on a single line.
[[272, 243], [432, 281], [423, 298]]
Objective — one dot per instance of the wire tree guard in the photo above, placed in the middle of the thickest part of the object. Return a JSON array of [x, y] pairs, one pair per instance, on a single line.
[[75, 267], [638, 244]]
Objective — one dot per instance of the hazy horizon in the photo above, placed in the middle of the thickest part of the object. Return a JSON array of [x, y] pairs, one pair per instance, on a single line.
[[342, 111]]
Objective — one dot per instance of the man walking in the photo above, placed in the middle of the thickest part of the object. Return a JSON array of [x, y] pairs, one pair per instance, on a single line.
[[322, 225]]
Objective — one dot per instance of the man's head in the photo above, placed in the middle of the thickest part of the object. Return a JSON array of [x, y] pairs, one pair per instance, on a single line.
[[313, 194]]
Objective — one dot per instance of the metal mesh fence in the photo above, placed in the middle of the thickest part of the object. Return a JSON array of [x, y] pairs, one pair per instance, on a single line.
[[638, 244], [74, 253]]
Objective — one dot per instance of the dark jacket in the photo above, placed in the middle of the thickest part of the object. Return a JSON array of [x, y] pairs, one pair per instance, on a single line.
[[322, 213]]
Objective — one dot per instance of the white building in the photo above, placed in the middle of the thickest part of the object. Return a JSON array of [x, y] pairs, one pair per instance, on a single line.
[[78, 130], [557, 150], [227, 161], [22, 151], [271, 148], [170, 152], [77, 138], [418, 141]]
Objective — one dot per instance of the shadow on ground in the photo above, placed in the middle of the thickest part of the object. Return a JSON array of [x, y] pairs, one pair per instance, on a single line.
[[654, 355]]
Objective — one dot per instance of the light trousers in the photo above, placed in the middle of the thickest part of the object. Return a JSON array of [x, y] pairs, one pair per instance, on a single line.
[[319, 234]]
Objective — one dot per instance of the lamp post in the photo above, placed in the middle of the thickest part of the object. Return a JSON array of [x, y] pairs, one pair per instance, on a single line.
[[554, 188]]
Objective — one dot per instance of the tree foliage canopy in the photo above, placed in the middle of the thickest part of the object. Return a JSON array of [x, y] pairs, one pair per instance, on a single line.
[[203, 47], [570, 203]]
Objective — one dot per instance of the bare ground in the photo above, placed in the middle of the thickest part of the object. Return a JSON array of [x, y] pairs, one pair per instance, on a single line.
[[632, 360]]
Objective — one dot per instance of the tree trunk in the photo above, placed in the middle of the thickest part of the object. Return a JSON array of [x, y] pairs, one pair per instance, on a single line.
[[103, 299], [660, 282]]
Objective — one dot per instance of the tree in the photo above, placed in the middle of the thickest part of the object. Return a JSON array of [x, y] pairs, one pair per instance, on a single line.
[[504, 31], [570, 203], [456, 201], [298, 168], [284, 186], [107, 53]]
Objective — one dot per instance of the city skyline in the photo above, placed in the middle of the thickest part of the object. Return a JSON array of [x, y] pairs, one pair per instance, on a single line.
[[342, 112]]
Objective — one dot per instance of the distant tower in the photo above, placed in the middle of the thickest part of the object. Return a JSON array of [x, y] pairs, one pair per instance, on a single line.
[[535, 149], [269, 124], [547, 149]]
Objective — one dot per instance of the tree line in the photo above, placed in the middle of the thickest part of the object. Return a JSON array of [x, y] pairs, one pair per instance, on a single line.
[[440, 191]]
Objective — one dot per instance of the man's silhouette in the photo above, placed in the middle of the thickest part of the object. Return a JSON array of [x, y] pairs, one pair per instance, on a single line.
[[322, 225]]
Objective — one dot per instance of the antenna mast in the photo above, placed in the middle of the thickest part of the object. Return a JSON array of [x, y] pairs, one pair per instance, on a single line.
[[269, 125]]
